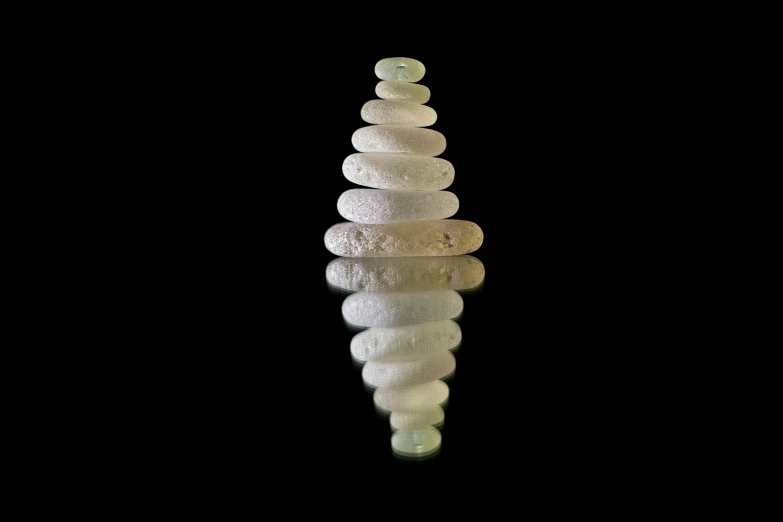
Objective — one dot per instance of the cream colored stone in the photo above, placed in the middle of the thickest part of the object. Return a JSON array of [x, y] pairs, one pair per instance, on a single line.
[[396, 138], [398, 112], [391, 206], [400, 68], [421, 397], [404, 343], [399, 374], [370, 309], [416, 420], [394, 170], [416, 443], [397, 90]]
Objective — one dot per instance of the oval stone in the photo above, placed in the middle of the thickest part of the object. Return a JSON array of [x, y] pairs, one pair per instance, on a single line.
[[398, 112], [400, 68], [391, 206], [397, 90], [439, 237], [416, 444], [390, 170], [396, 138], [416, 420], [370, 309], [403, 343], [405, 274], [421, 397], [400, 374]]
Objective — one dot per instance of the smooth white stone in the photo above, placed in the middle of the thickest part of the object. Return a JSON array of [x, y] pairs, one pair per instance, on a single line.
[[439, 237], [401, 343], [416, 420], [390, 206], [416, 443], [397, 90], [396, 138], [421, 397], [400, 68], [405, 274], [369, 309], [392, 170], [400, 374], [398, 112]]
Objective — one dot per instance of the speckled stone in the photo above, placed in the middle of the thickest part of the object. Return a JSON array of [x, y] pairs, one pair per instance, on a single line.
[[370, 309], [405, 343], [421, 397], [400, 68], [399, 374], [397, 90], [392, 170], [398, 112], [391, 206], [440, 237], [396, 138], [405, 274]]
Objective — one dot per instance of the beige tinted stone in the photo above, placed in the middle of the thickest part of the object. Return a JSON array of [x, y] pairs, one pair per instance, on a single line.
[[400, 68], [414, 420], [421, 397], [393, 170], [390, 206], [405, 274], [399, 374], [398, 112], [440, 237], [403, 343], [397, 90], [370, 309], [396, 138]]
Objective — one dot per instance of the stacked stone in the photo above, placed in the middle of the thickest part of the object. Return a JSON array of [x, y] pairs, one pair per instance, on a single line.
[[403, 258]]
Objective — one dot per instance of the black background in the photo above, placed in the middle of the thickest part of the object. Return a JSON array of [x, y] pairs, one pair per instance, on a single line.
[[177, 300]]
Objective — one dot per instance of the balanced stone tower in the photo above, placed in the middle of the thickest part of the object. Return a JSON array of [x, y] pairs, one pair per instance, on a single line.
[[402, 259]]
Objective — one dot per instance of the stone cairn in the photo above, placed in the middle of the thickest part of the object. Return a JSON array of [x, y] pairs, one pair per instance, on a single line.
[[402, 261]]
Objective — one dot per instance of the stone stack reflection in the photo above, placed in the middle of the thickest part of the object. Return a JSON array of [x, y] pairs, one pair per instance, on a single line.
[[403, 261]]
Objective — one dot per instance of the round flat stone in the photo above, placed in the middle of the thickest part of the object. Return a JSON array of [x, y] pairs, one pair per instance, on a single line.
[[416, 443], [396, 138], [398, 112], [401, 343], [391, 206], [370, 309], [390, 170], [440, 237], [405, 274], [421, 397], [416, 420], [397, 90], [400, 374], [400, 68]]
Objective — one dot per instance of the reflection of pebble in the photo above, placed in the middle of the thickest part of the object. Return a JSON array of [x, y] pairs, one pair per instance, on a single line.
[[416, 443], [399, 374], [405, 342], [415, 420], [390, 206], [397, 90], [405, 274], [390, 170], [414, 398], [372, 309], [396, 138], [400, 68]]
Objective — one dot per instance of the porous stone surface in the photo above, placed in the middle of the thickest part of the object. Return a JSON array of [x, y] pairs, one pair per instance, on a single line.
[[405, 274], [392, 170], [416, 443], [415, 420], [370, 309], [399, 374], [421, 397], [439, 237], [398, 112], [402, 343], [397, 138], [397, 90], [391, 206], [400, 68]]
